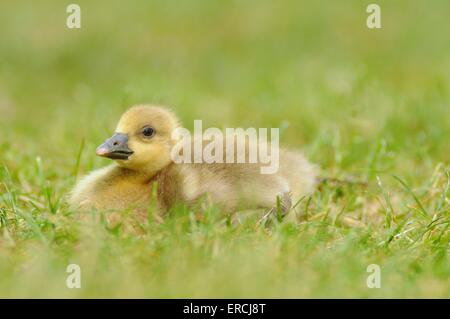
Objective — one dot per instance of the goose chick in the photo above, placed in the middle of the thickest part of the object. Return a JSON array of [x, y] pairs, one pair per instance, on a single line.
[[141, 148]]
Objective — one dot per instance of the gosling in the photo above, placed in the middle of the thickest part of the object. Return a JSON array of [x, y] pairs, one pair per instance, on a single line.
[[141, 149]]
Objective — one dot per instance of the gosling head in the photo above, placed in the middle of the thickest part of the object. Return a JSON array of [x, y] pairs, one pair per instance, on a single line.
[[142, 140]]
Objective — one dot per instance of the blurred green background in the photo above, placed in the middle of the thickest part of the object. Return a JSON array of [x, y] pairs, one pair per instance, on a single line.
[[359, 102]]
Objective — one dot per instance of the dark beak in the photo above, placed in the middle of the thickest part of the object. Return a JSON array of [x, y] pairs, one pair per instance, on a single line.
[[116, 147]]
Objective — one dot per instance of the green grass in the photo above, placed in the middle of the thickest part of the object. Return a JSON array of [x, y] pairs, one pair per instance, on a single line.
[[369, 105]]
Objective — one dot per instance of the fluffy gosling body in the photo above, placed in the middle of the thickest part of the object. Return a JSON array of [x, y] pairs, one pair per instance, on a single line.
[[141, 148]]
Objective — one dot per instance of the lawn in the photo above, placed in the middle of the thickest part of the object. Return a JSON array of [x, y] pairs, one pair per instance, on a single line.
[[369, 106]]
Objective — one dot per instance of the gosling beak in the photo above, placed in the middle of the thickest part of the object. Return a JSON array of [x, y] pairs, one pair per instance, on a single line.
[[116, 147]]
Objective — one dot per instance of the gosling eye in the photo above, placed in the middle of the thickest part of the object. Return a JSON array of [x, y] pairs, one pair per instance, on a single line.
[[148, 131]]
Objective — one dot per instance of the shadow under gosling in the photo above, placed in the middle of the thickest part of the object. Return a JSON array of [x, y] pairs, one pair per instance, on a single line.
[[141, 149]]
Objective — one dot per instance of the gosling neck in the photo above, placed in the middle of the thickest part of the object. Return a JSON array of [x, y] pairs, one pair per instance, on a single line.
[[145, 174]]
